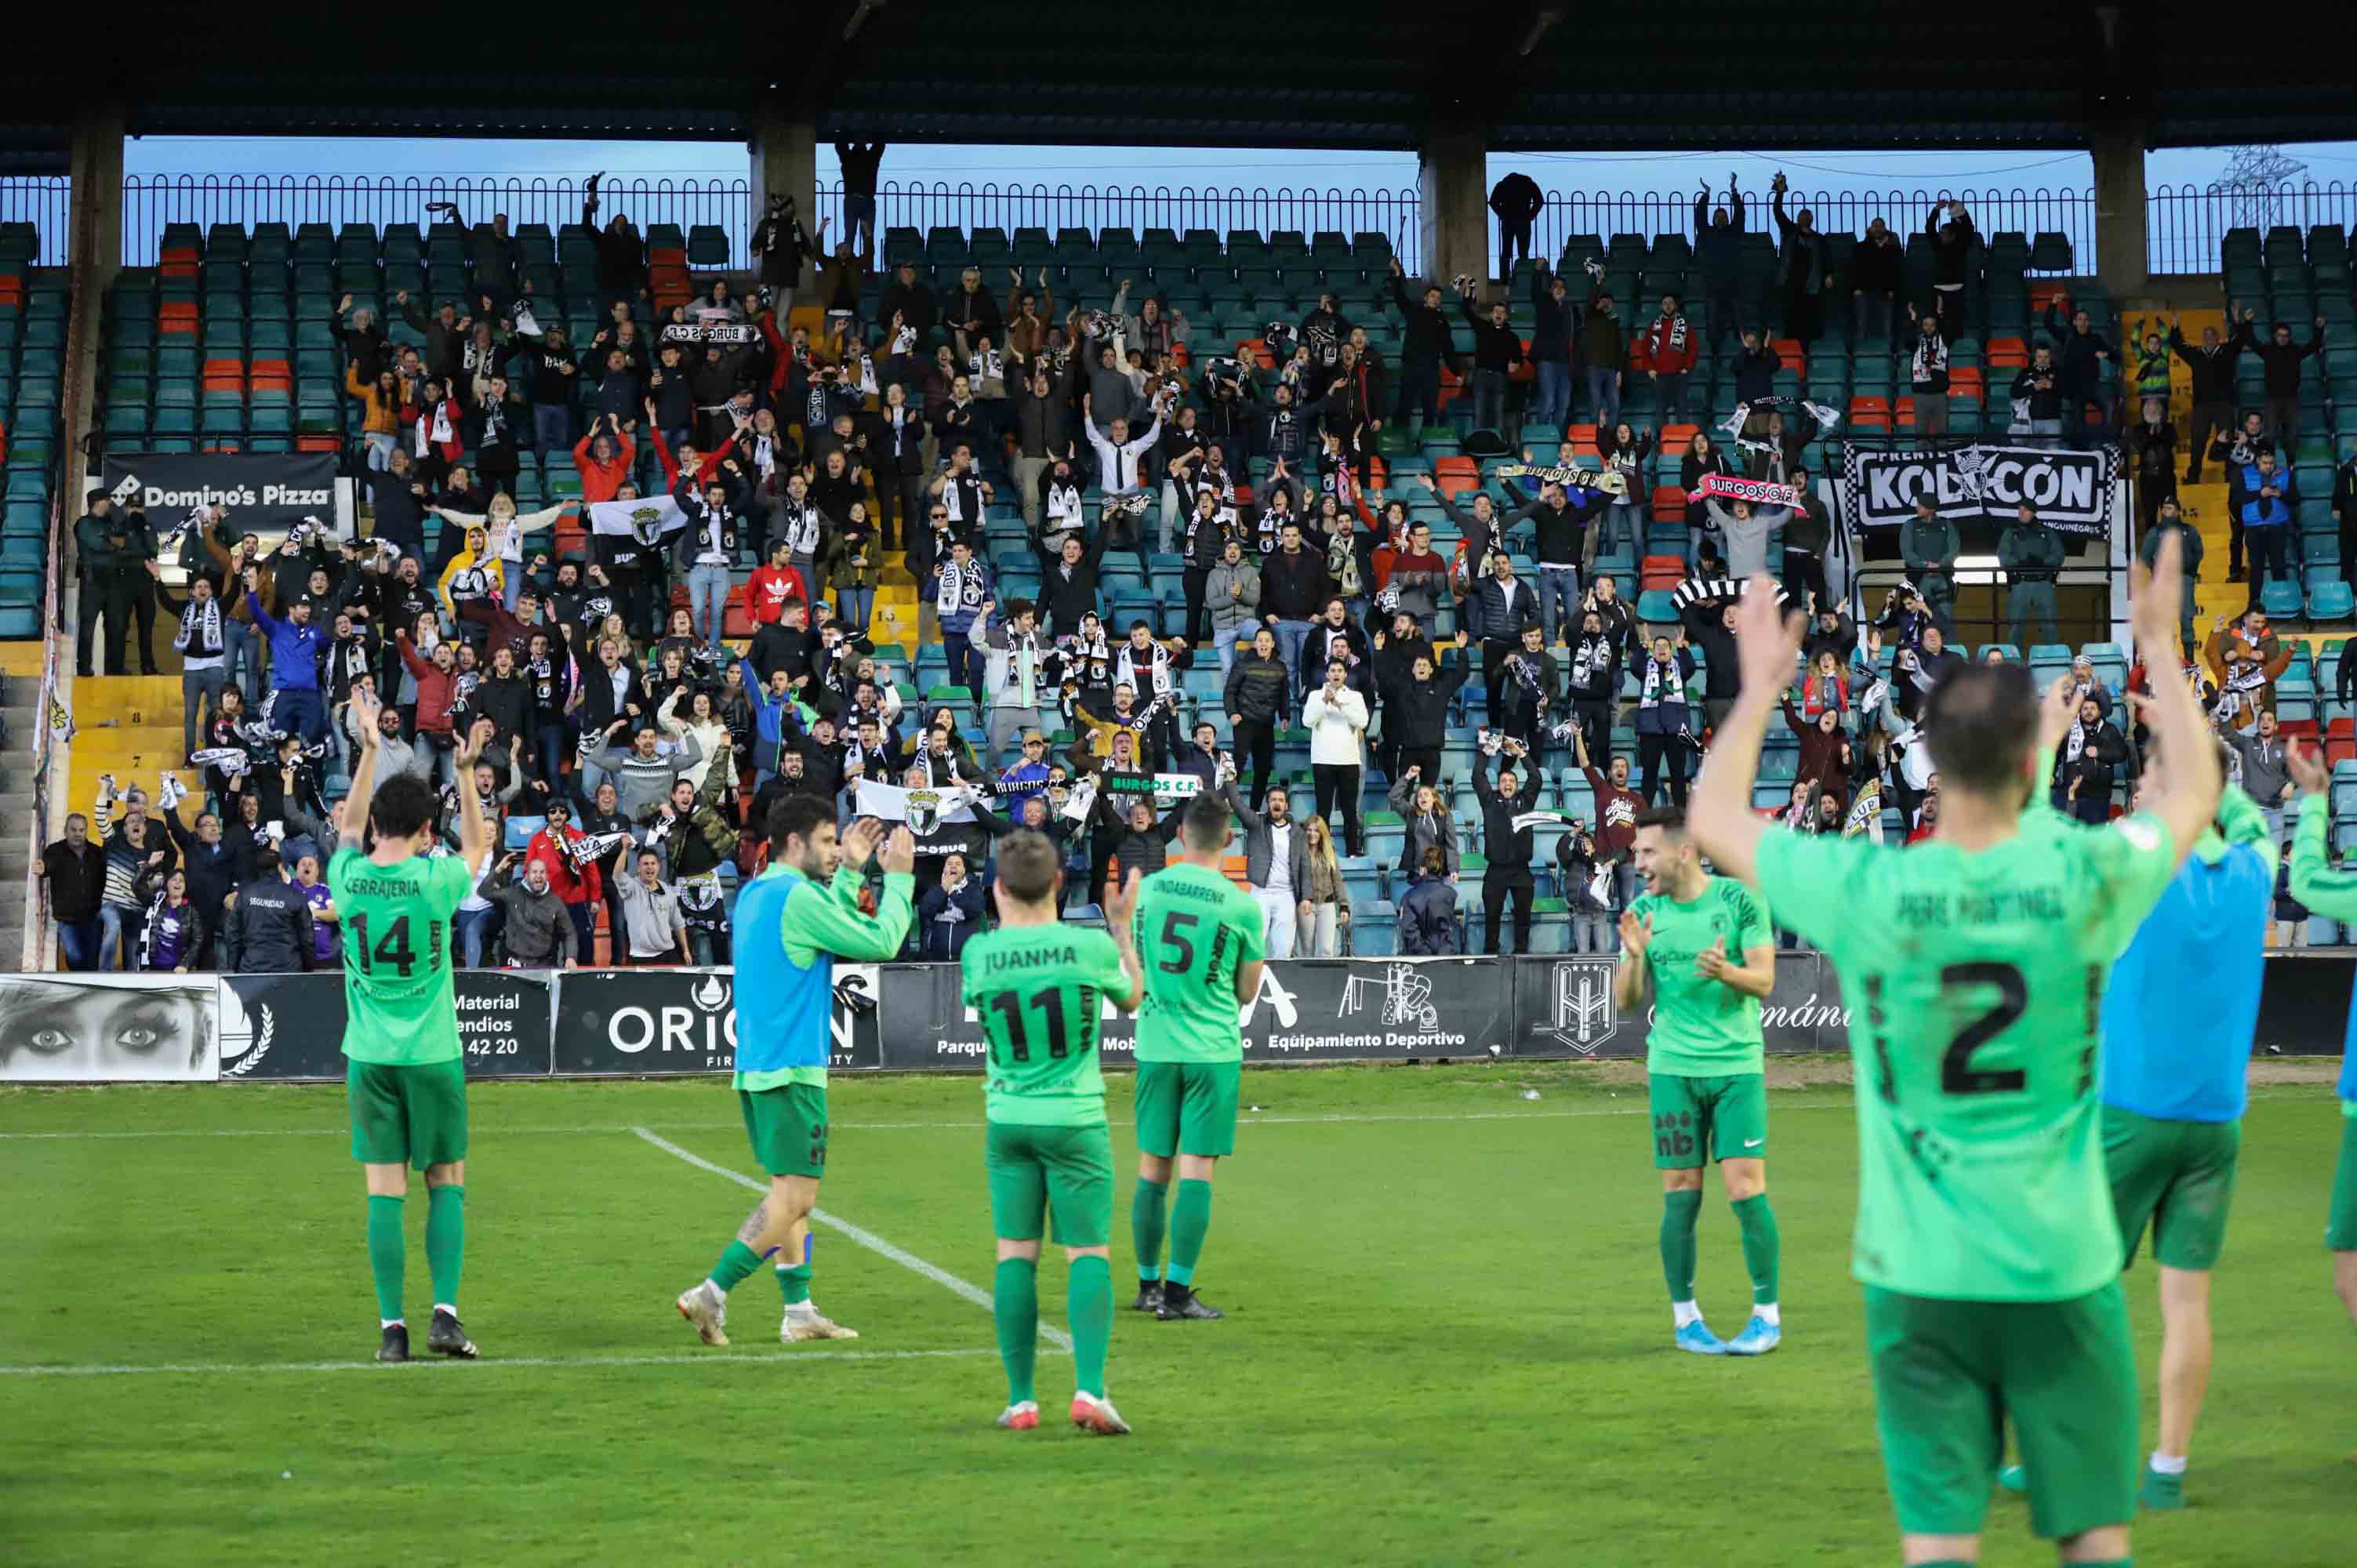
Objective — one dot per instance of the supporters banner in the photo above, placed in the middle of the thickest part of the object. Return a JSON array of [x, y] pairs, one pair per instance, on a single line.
[[2070, 491], [265, 493], [710, 332], [1305, 1010], [1564, 1007], [685, 1020], [107, 1029], [1759, 492], [275, 1027], [648, 518]]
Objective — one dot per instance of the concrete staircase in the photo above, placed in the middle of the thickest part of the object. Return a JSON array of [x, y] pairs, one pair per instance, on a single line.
[[128, 726], [20, 698]]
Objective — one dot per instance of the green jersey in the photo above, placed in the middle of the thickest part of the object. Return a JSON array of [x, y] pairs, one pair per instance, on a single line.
[[1703, 1027], [1195, 929], [1040, 992], [1974, 983], [398, 1007]]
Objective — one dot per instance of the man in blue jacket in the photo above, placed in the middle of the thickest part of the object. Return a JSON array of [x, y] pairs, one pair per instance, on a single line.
[[2179, 1017], [2263, 500], [295, 648]]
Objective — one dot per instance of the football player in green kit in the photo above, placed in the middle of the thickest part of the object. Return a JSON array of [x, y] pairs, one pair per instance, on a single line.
[[1704, 946], [1039, 987], [1975, 965]]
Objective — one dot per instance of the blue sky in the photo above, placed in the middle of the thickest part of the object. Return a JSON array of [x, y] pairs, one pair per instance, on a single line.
[[1249, 167]]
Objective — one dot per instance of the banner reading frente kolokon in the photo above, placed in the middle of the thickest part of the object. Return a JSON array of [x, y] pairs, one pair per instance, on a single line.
[[2069, 490]]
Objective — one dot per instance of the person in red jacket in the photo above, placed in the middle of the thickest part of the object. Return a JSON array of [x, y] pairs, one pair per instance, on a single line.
[[438, 438], [772, 584], [578, 887], [437, 682], [1667, 351], [603, 458]]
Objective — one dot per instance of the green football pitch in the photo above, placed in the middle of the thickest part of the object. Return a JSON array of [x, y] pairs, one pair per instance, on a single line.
[[1448, 1341]]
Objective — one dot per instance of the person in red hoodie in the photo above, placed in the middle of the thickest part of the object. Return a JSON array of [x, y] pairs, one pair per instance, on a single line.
[[772, 584], [438, 682], [579, 888], [1667, 351], [603, 458]]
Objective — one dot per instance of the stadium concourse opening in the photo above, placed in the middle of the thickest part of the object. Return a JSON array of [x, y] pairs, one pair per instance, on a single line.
[[522, 647]]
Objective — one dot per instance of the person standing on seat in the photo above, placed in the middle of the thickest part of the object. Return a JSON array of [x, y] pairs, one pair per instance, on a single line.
[[1517, 201]]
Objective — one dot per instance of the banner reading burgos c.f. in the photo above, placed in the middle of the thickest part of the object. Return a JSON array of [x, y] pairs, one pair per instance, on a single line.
[[2070, 491], [277, 1027], [1305, 1010], [1564, 1007], [685, 1020], [265, 492]]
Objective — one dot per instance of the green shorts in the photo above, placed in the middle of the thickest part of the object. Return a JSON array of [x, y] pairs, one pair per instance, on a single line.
[[1188, 1108], [2341, 1225], [2176, 1178], [1948, 1374], [413, 1115], [1067, 1171], [787, 1127], [1727, 1116]]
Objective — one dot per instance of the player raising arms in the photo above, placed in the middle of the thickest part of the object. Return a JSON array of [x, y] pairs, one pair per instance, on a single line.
[[1703, 944], [792, 922], [1037, 987], [1201, 935], [1975, 964], [405, 1075], [2330, 893], [2178, 1018]]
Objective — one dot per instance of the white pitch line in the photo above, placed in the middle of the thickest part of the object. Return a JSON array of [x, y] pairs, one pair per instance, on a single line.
[[867, 1239], [1342, 1118], [774, 1358]]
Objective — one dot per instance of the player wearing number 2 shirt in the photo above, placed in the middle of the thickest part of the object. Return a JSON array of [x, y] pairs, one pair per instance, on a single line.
[[405, 1076], [1039, 988], [1199, 936], [1974, 967]]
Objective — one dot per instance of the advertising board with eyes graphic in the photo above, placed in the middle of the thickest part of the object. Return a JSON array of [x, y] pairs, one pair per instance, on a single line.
[[97, 1028]]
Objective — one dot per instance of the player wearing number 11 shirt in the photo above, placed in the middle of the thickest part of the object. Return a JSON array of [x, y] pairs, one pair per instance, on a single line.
[[1975, 966], [405, 1077], [1039, 988], [1199, 937]]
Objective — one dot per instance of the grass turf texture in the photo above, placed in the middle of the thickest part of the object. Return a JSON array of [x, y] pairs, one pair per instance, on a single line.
[[1447, 1340]]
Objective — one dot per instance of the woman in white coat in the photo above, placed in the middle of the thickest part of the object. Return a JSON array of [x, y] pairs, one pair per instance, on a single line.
[[1336, 717]]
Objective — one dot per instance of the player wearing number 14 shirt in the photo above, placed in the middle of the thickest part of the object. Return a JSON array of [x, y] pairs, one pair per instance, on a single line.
[[1974, 967], [405, 1077], [1039, 988]]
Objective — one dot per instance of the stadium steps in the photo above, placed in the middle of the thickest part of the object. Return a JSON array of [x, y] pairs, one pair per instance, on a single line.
[[22, 712], [128, 726]]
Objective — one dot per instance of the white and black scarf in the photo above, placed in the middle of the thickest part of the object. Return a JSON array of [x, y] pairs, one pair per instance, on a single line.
[[1664, 683], [1023, 663], [200, 624], [800, 527], [1591, 660], [2235, 694], [961, 589], [1158, 669], [1525, 668], [1930, 361], [1064, 514], [433, 427], [715, 549]]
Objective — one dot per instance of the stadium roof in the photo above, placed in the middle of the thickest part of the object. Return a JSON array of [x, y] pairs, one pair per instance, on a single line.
[[1326, 73]]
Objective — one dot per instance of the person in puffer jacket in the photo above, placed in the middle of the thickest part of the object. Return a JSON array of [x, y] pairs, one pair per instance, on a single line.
[[1428, 927]]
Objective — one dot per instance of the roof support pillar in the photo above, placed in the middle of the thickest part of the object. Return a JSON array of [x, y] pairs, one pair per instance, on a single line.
[[785, 163], [2122, 232], [1452, 194]]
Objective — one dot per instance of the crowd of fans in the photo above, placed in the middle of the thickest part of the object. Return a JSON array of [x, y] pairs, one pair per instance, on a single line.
[[627, 744]]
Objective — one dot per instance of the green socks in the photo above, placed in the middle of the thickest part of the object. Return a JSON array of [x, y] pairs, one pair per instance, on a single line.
[[386, 1249], [1015, 1303], [446, 1241], [794, 1283], [1146, 1219], [1679, 1212], [1758, 1222], [1190, 1221], [735, 1263], [1089, 1303]]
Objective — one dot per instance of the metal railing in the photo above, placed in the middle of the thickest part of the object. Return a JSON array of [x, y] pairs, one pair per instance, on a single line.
[[2186, 228], [2188, 224], [1604, 213]]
